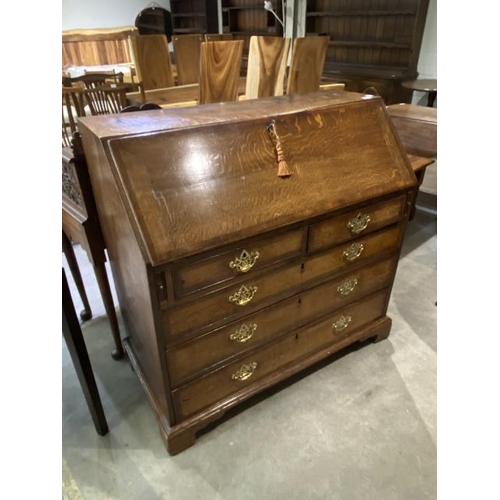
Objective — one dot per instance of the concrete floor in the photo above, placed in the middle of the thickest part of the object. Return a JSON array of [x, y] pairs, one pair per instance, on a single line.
[[361, 427]]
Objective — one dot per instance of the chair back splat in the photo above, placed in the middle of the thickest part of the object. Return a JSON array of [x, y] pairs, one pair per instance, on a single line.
[[306, 67], [187, 58], [220, 66], [267, 58]]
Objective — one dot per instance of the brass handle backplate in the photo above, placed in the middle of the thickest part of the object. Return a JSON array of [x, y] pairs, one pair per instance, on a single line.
[[245, 261], [351, 253], [342, 323], [244, 333], [359, 223], [245, 371], [243, 296], [347, 286]]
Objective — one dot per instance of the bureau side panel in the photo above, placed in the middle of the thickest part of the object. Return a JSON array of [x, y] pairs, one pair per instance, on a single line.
[[130, 273]]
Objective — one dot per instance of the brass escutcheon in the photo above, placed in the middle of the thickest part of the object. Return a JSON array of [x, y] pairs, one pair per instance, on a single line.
[[359, 223], [353, 252], [347, 286], [244, 333], [245, 372], [244, 295], [342, 323], [245, 261]]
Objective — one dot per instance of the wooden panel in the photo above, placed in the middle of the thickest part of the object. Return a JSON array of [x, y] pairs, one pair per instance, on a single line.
[[96, 47], [152, 61], [214, 270], [211, 348], [187, 58], [216, 386], [306, 67], [220, 65], [249, 162], [336, 230], [267, 60]]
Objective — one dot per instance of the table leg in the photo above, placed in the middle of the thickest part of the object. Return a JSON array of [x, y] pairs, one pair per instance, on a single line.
[[431, 98], [79, 355]]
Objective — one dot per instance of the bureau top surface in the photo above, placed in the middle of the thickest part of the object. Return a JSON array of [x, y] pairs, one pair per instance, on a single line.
[[196, 178]]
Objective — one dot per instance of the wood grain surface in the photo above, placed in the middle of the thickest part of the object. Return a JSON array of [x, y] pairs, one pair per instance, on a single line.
[[187, 58], [306, 67], [220, 66], [267, 59], [152, 61]]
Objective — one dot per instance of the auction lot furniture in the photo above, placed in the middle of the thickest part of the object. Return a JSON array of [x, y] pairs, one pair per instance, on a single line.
[[248, 240]]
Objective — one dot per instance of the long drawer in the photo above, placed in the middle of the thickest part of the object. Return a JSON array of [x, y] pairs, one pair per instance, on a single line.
[[213, 348], [230, 379], [247, 296]]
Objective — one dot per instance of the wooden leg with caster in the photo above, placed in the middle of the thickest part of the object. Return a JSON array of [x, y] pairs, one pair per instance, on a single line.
[[107, 298], [67, 248]]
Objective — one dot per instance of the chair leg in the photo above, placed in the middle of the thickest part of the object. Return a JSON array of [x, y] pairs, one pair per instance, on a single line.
[[107, 298], [67, 248], [79, 355]]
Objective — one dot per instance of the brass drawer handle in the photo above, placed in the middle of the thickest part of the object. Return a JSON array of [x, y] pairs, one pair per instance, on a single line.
[[351, 253], [244, 333], [243, 296], [347, 286], [245, 261], [359, 223], [245, 372], [342, 323]]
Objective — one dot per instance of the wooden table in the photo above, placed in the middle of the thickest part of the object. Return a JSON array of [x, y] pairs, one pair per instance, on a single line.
[[187, 95], [429, 86]]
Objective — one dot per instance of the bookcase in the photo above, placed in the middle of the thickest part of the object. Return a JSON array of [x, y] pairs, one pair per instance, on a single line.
[[374, 44], [194, 16]]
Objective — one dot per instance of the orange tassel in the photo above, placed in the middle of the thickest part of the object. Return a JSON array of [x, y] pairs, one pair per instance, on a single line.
[[283, 169]]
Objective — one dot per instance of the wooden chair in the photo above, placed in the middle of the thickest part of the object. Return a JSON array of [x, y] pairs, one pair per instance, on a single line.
[[92, 79], [220, 66], [267, 60], [187, 58], [152, 61], [306, 67], [108, 98], [80, 224]]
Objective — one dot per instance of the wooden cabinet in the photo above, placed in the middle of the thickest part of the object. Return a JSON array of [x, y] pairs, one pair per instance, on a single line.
[[194, 16], [229, 277], [374, 46]]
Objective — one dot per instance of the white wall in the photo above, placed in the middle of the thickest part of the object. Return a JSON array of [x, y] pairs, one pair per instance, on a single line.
[[104, 13]]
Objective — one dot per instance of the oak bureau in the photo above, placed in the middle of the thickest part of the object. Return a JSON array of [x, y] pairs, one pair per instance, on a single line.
[[247, 240]]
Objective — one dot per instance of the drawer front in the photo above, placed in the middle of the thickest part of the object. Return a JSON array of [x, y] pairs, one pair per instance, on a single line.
[[353, 224], [229, 380], [238, 262], [254, 330]]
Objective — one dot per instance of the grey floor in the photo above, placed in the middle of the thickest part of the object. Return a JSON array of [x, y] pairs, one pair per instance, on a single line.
[[360, 427]]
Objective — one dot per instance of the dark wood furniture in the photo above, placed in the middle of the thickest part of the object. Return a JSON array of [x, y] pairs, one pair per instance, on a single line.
[[373, 45], [77, 349], [417, 129], [428, 86], [80, 224], [230, 277], [194, 16]]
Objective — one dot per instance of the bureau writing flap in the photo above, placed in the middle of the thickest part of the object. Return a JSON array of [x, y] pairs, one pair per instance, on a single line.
[[196, 187]]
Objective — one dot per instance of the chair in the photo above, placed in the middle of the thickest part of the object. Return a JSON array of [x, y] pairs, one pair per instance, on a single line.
[[80, 223], [108, 98], [187, 58], [267, 60], [153, 65], [92, 79], [306, 67], [220, 65]]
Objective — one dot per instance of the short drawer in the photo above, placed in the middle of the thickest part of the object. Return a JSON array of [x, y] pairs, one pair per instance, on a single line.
[[239, 261], [255, 329], [252, 368], [356, 223]]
